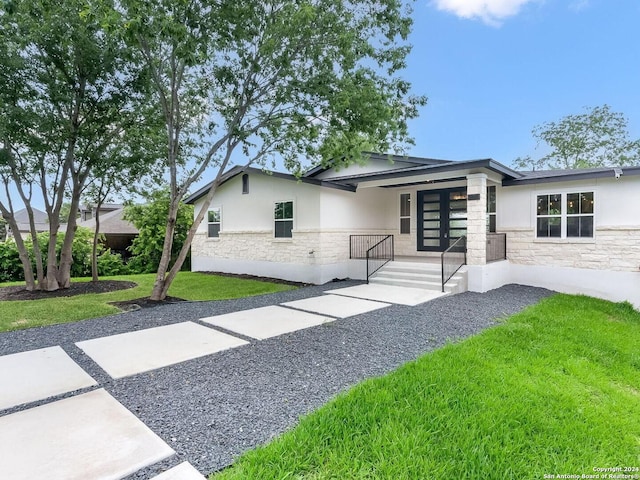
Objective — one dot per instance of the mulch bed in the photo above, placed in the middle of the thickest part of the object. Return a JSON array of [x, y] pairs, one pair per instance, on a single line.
[[76, 288], [81, 288]]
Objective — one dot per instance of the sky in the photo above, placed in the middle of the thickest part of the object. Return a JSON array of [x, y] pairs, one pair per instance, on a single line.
[[494, 69]]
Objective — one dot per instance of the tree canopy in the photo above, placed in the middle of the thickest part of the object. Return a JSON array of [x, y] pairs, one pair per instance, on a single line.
[[72, 98], [597, 138], [255, 82]]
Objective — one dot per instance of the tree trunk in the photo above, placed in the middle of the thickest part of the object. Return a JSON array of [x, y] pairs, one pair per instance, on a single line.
[[51, 277], [22, 250], [159, 291], [94, 247], [66, 254], [37, 253]]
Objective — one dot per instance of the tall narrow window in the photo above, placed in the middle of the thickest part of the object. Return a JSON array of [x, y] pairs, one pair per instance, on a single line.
[[405, 213], [213, 223], [580, 214], [245, 183], [549, 216], [491, 209], [284, 219]]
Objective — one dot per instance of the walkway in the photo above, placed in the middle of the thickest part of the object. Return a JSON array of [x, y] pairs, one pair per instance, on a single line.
[[195, 384]]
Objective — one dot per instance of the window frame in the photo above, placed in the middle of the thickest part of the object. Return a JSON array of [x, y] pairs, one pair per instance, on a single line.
[[564, 215], [581, 215], [245, 184], [282, 220], [406, 217], [210, 223], [492, 214]]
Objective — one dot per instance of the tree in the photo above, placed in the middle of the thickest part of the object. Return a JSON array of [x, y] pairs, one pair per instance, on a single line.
[[597, 138], [67, 96], [149, 219], [310, 80]]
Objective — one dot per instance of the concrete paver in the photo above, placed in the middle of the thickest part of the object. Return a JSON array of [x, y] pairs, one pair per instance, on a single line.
[[39, 374], [184, 471], [88, 436], [266, 322], [136, 352], [336, 305], [388, 293]]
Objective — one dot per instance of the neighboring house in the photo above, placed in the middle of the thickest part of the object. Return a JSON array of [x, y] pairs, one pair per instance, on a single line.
[[575, 231], [22, 219], [118, 233]]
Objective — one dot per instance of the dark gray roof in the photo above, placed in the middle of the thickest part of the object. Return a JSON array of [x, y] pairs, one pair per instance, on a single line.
[[559, 175], [111, 223], [386, 157], [448, 166]]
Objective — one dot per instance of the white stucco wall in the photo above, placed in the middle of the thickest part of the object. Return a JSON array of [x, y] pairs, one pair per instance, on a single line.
[[605, 266]]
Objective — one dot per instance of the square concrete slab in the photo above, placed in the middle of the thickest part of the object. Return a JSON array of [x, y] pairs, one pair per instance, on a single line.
[[39, 374], [389, 293], [184, 471], [87, 436], [266, 322], [336, 305], [135, 352]]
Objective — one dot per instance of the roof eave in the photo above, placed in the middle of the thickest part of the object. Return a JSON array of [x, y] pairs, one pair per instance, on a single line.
[[572, 176]]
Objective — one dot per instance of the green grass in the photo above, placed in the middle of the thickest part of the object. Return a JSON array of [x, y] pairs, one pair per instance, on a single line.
[[21, 314], [553, 390]]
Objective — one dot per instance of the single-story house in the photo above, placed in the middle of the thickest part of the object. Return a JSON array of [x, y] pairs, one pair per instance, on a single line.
[[117, 232], [574, 231], [40, 219]]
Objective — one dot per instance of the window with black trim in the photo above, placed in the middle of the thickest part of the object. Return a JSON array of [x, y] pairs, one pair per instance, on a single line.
[[549, 213], [213, 222], [283, 219], [245, 184], [491, 209], [580, 214], [405, 213]]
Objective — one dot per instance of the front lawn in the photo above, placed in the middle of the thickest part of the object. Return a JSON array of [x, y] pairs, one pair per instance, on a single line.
[[20, 314], [554, 390]]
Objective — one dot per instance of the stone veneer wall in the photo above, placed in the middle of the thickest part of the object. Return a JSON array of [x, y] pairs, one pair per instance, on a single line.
[[613, 248], [305, 247]]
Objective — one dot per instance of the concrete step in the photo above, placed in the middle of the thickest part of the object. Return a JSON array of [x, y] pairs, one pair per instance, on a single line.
[[426, 276]]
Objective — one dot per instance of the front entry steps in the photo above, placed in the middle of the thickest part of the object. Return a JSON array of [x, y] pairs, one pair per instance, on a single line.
[[427, 276]]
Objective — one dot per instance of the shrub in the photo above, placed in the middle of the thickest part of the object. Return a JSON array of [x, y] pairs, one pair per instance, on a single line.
[[111, 264], [10, 264]]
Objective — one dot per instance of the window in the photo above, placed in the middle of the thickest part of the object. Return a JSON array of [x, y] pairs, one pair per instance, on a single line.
[[245, 183], [491, 209], [213, 223], [284, 219], [580, 214], [549, 216], [405, 213], [567, 215]]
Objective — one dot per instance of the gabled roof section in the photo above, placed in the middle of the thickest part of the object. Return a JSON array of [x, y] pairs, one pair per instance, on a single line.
[[550, 176], [385, 157], [111, 223], [237, 170], [448, 166]]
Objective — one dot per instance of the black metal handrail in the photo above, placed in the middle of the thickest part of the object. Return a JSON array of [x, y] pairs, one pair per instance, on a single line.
[[379, 255], [453, 258], [359, 244], [496, 246]]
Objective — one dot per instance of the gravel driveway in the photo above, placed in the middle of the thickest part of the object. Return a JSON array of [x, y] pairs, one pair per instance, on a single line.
[[211, 409]]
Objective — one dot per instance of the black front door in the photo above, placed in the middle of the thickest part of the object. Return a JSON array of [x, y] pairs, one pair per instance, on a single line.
[[442, 218]]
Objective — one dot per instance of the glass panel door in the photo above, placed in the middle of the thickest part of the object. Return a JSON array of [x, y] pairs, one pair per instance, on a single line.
[[442, 218]]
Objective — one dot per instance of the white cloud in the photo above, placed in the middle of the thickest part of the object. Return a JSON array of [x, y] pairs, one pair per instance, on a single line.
[[492, 12], [579, 5]]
